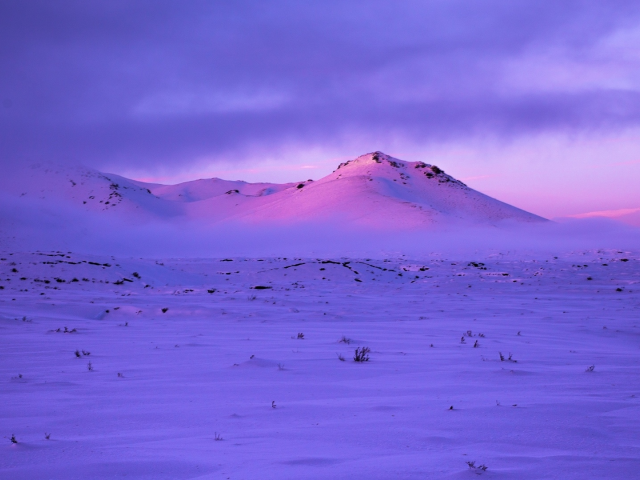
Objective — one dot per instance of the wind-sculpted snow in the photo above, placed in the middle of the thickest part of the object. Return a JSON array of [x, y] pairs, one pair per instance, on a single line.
[[500, 365]]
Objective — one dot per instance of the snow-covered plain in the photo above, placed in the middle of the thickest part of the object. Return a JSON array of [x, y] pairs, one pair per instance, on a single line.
[[197, 373]]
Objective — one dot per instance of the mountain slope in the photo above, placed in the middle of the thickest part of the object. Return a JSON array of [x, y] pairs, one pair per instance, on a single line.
[[87, 190], [203, 189], [378, 190], [373, 190]]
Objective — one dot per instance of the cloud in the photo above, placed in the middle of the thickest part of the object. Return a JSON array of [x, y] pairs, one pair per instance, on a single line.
[[147, 84], [629, 216], [203, 103]]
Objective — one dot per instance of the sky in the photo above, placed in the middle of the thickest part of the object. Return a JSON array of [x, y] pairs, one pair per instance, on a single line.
[[536, 103]]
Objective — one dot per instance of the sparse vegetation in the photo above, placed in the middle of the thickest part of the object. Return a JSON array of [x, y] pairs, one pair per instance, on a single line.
[[165, 310], [590, 368], [508, 359], [13, 439], [47, 436], [300, 336], [217, 437], [341, 357], [66, 330], [361, 354], [477, 469], [90, 367], [345, 340]]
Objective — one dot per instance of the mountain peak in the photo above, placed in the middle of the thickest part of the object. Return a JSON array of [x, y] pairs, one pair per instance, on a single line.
[[372, 158], [377, 163]]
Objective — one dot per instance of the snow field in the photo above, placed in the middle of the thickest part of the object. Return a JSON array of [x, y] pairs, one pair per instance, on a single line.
[[213, 363]]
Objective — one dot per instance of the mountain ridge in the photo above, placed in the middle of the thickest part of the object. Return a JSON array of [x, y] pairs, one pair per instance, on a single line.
[[373, 189]]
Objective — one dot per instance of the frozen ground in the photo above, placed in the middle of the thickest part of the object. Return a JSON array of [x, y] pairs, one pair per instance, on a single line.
[[163, 386]]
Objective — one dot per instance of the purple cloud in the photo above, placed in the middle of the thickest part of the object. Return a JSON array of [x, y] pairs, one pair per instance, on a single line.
[[141, 83]]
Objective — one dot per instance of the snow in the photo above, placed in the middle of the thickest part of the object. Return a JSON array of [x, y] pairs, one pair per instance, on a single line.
[[208, 330], [213, 363], [199, 190], [374, 190]]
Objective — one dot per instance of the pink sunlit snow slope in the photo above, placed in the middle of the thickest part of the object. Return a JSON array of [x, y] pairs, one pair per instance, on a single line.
[[373, 190]]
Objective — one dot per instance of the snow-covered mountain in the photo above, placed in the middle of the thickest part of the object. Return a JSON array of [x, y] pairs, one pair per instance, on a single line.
[[373, 190], [87, 190]]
